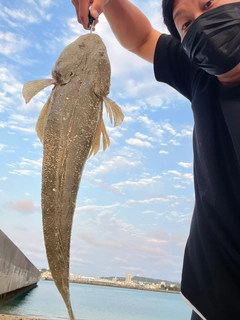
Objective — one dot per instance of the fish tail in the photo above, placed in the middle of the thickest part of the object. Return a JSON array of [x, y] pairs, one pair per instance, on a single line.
[[70, 312]]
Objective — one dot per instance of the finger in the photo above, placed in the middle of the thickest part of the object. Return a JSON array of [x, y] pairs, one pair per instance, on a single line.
[[82, 9], [97, 8]]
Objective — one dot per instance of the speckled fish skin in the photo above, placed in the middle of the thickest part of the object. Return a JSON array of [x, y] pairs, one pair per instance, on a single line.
[[68, 128], [68, 135]]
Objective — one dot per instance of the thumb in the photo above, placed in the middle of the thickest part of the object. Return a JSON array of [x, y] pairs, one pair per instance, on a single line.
[[97, 8]]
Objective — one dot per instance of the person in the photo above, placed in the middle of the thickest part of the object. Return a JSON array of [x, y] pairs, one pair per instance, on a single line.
[[201, 60]]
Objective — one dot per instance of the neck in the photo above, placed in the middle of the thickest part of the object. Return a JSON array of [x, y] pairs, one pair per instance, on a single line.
[[230, 78]]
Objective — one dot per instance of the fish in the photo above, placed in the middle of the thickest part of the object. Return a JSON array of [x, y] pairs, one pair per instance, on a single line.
[[70, 127]]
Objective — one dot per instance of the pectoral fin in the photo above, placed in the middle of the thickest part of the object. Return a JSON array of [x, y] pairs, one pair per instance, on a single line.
[[31, 88], [114, 111], [40, 125], [96, 141]]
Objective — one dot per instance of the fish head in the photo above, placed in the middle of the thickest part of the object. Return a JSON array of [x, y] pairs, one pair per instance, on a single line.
[[65, 67], [98, 64], [85, 58]]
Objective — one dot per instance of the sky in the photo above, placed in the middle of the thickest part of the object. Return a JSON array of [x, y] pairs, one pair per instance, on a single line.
[[135, 200]]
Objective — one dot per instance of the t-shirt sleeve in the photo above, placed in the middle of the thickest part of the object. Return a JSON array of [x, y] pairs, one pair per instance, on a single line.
[[172, 66]]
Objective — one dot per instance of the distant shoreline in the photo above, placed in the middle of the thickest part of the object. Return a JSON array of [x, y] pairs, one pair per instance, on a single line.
[[125, 286], [13, 317]]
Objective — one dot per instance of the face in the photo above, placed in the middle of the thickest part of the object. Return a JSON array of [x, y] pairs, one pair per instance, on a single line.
[[186, 11]]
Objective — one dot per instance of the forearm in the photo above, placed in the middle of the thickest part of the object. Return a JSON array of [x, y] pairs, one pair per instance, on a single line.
[[130, 26]]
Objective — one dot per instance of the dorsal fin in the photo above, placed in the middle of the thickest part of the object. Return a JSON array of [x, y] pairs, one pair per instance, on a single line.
[[31, 88], [114, 111]]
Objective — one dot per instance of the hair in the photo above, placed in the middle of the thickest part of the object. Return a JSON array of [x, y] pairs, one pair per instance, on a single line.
[[167, 12]]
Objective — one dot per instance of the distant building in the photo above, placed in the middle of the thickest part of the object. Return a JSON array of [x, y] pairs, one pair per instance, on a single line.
[[73, 277], [128, 278], [46, 275]]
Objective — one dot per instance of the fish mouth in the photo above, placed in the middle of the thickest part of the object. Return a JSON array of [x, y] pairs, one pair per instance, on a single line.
[[57, 77], [61, 79]]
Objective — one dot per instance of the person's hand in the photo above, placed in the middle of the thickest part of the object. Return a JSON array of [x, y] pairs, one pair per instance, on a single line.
[[82, 9]]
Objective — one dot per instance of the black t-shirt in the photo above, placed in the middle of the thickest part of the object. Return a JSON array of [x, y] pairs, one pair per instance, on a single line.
[[211, 268]]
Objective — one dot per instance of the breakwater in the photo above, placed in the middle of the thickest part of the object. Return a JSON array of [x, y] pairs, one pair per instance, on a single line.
[[17, 273]]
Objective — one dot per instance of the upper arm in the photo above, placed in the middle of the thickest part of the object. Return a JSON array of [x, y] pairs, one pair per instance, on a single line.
[[147, 48]]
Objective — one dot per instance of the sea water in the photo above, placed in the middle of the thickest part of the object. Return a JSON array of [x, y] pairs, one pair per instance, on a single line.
[[91, 302]]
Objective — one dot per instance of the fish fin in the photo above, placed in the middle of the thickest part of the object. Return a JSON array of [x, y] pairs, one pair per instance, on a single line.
[[105, 137], [114, 111], [96, 140], [31, 88], [40, 125]]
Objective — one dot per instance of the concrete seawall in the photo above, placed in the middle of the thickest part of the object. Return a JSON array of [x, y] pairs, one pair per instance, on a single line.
[[17, 273]]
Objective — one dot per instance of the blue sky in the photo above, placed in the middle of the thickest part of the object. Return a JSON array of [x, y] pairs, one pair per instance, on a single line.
[[136, 199]]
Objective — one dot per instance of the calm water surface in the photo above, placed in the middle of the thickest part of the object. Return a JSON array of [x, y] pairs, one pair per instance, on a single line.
[[91, 302]]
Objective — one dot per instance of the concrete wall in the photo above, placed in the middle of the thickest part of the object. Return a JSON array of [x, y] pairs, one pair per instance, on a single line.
[[16, 271]]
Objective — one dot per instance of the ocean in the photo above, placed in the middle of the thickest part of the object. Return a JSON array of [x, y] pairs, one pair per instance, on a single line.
[[91, 302]]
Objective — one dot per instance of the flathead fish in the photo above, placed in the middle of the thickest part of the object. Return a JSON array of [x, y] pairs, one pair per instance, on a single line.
[[70, 127]]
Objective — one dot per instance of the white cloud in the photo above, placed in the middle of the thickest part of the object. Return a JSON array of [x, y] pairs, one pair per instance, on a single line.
[[141, 136], [163, 152], [2, 146], [174, 142], [83, 210], [189, 177], [18, 118], [187, 132], [11, 43], [46, 3], [178, 186], [175, 172], [23, 13], [24, 172], [139, 183], [185, 164], [35, 164], [147, 201], [114, 164], [139, 143], [152, 126], [30, 130], [21, 168]]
